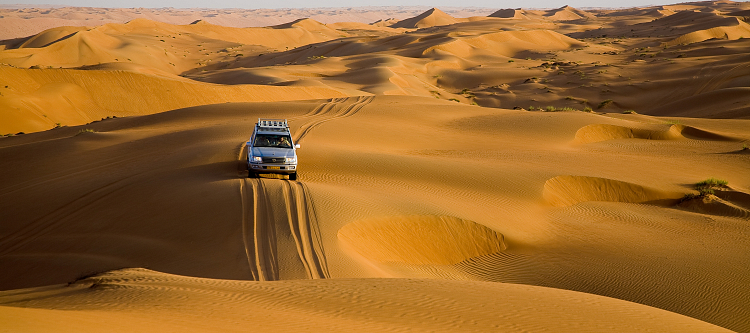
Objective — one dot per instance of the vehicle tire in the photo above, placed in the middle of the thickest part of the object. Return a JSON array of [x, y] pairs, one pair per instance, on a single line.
[[293, 176], [251, 174]]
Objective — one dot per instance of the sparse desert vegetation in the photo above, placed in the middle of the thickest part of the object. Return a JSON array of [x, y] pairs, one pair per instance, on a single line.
[[706, 187], [86, 130], [605, 103]]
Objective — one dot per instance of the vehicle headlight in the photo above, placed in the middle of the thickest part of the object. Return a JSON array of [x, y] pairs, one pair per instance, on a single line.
[[257, 159], [290, 160]]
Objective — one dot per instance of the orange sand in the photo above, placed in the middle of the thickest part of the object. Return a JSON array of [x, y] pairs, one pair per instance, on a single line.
[[513, 172]]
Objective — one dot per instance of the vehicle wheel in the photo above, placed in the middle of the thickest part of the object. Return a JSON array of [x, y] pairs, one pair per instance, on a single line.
[[251, 174], [293, 176]]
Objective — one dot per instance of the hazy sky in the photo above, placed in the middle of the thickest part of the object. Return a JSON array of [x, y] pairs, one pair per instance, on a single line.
[[341, 3]]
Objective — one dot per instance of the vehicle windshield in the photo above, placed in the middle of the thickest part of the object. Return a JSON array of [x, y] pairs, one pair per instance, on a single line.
[[273, 140]]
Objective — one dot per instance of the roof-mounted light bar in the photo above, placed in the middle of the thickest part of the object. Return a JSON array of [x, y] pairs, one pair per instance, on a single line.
[[272, 123]]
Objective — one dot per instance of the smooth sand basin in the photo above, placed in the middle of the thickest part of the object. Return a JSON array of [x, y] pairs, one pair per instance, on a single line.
[[425, 201]]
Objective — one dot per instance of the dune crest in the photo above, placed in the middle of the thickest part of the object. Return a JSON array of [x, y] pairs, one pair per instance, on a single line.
[[421, 240], [50, 36], [305, 23]]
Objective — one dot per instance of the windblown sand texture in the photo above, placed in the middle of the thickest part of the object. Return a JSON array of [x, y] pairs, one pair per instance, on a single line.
[[522, 170]]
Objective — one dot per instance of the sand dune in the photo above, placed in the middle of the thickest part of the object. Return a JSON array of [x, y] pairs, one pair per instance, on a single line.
[[741, 13], [230, 63], [567, 13], [669, 24], [412, 70], [430, 18], [507, 43], [170, 48], [40, 99], [735, 29], [655, 11], [534, 172], [162, 301], [720, 5], [24, 22], [50, 36], [569, 190], [509, 13], [421, 239], [603, 132]]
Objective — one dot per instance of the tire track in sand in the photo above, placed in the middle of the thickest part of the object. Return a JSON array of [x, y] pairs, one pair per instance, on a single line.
[[258, 234], [325, 107], [260, 222], [273, 213], [339, 113], [303, 224]]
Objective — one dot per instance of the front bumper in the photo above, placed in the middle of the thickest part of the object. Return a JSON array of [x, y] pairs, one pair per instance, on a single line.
[[271, 168]]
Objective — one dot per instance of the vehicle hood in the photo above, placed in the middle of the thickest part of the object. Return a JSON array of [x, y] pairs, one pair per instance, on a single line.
[[268, 152]]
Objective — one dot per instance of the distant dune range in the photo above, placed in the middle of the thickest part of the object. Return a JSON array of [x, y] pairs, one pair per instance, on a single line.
[[24, 22], [502, 170], [531, 62]]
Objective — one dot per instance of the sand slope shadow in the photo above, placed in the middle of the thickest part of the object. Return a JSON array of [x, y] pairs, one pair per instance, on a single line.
[[732, 28], [722, 203]]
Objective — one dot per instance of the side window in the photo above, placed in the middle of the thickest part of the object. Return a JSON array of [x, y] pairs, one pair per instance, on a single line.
[[285, 142]]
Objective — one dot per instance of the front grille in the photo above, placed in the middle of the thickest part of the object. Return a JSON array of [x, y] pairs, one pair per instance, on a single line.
[[277, 160]]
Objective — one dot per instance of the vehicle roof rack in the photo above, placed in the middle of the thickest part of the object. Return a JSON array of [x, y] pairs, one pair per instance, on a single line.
[[272, 123]]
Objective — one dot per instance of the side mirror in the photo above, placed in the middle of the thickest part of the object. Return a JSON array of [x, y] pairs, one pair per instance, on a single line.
[[296, 146]]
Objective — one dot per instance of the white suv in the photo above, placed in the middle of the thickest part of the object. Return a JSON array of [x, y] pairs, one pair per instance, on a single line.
[[271, 150]]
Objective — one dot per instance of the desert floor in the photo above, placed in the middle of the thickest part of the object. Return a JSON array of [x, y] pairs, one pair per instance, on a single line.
[[530, 170]]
